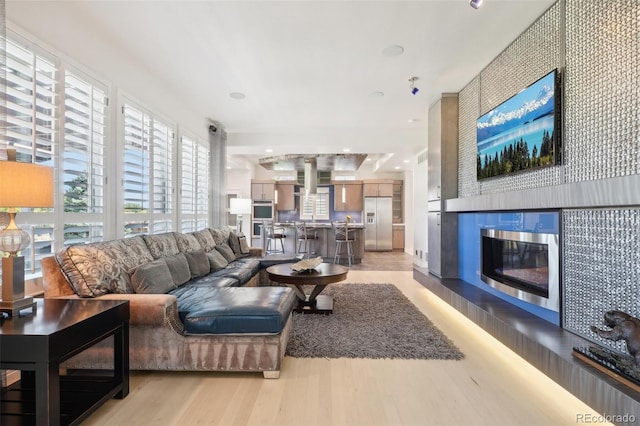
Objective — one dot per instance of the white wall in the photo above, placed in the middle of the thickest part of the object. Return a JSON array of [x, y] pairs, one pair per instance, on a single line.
[[408, 211], [420, 242]]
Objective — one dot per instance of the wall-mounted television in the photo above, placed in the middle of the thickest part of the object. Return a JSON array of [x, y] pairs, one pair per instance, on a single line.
[[522, 133]]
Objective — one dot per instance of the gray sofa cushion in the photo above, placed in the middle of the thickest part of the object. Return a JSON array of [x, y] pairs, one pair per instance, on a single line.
[[234, 310], [216, 260], [162, 245], [198, 263], [187, 243], [152, 278], [226, 251], [179, 267], [205, 239]]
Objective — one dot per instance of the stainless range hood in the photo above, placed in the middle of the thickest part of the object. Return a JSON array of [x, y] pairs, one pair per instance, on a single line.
[[310, 176], [324, 162]]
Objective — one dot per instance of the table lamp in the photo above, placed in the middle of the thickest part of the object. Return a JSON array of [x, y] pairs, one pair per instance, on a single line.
[[21, 185], [239, 207]]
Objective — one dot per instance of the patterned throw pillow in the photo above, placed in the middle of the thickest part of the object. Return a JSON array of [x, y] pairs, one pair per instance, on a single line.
[[100, 268], [216, 260], [152, 278], [226, 251], [187, 242], [161, 245], [205, 239], [221, 234]]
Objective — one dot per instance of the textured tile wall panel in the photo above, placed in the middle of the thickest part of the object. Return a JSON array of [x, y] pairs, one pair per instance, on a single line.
[[532, 55], [468, 111], [601, 267], [602, 89]]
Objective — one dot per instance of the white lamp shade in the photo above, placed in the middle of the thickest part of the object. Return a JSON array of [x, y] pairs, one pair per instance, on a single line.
[[25, 185], [240, 205]]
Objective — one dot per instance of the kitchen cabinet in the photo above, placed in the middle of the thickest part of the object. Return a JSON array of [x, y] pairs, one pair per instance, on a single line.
[[398, 202], [286, 200], [442, 184], [398, 238], [352, 196], [378, 188], [263, 190]]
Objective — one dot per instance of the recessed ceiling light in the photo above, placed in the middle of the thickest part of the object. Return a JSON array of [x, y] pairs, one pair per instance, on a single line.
[[413, 120], [368, 159], [405, 161], [396, 167], [346, 149], [237, 95], [393, 50], [377, 94], [268, 150]]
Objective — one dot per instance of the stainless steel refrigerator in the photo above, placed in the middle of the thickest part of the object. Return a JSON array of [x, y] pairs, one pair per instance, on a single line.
[[378, 223]]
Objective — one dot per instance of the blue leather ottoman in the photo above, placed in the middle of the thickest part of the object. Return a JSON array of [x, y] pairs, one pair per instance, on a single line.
[[235, 310]]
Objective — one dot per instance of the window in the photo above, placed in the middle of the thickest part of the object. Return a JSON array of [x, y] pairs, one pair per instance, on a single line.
[[194, 191], [315, 207], [147, 174], [85, 110], [29, 119]]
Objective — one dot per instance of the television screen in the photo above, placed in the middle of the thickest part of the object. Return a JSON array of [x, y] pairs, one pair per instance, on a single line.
[[520, 133]]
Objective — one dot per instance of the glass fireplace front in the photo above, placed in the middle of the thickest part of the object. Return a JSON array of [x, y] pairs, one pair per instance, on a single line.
[[522, 264]]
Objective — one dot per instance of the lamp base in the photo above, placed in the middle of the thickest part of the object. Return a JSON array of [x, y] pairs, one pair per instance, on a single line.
[[13, 300], [14, 307]]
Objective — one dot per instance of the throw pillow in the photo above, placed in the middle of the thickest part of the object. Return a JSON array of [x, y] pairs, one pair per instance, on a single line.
[[205, 239], [216, 260], [187, 243], [161, 245], [238, 243], [152, 278], [226, 251], [198, 263], [219, 235], [179, 268]]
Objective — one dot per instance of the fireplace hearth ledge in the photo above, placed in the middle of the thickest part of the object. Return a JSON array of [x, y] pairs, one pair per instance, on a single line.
[[544, 345]]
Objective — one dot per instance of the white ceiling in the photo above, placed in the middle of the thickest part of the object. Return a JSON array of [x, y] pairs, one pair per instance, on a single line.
[[308, 68]]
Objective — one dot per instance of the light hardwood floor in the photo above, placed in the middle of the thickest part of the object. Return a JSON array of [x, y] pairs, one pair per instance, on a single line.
[[491, 386]]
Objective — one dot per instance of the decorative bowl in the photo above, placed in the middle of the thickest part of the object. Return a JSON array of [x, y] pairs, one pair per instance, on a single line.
[[306, 264]]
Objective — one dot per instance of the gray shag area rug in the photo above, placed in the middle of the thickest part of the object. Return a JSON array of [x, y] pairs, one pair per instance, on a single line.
[[369, 321]]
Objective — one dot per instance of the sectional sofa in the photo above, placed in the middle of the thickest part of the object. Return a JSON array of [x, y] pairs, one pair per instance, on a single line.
[[194, 299]]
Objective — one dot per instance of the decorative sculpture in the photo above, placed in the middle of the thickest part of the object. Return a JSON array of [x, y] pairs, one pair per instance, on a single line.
[[623, 327]]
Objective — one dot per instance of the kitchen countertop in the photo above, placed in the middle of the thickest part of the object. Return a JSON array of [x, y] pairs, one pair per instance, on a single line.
[[320, 225]]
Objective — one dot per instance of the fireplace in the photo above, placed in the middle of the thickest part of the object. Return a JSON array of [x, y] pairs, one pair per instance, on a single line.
[[525, 265]]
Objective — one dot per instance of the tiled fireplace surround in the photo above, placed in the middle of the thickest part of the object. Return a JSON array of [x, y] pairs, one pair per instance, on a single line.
[[594, 190]]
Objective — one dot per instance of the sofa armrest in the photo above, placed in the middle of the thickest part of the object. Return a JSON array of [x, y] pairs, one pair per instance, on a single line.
[[150, 309], [256, 252]]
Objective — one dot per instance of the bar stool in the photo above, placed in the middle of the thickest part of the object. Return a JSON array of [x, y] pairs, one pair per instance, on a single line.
[[274, 234], [305, 237], [343, 236]]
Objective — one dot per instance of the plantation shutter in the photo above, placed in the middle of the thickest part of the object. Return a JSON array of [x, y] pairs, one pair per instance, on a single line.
[[194, 188], [147, 175], [29, 123], [85, 109]]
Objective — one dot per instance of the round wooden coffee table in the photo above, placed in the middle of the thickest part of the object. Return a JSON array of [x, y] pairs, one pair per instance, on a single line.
[[323, 275]]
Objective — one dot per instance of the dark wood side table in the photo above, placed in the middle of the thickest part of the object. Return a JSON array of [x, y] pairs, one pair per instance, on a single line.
[[37, 344]]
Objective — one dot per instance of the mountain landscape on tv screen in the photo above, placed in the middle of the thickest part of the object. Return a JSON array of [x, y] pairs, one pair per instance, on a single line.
[[519, 133]]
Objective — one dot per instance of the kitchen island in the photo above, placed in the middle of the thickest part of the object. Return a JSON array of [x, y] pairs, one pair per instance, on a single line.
[[325, 245]]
